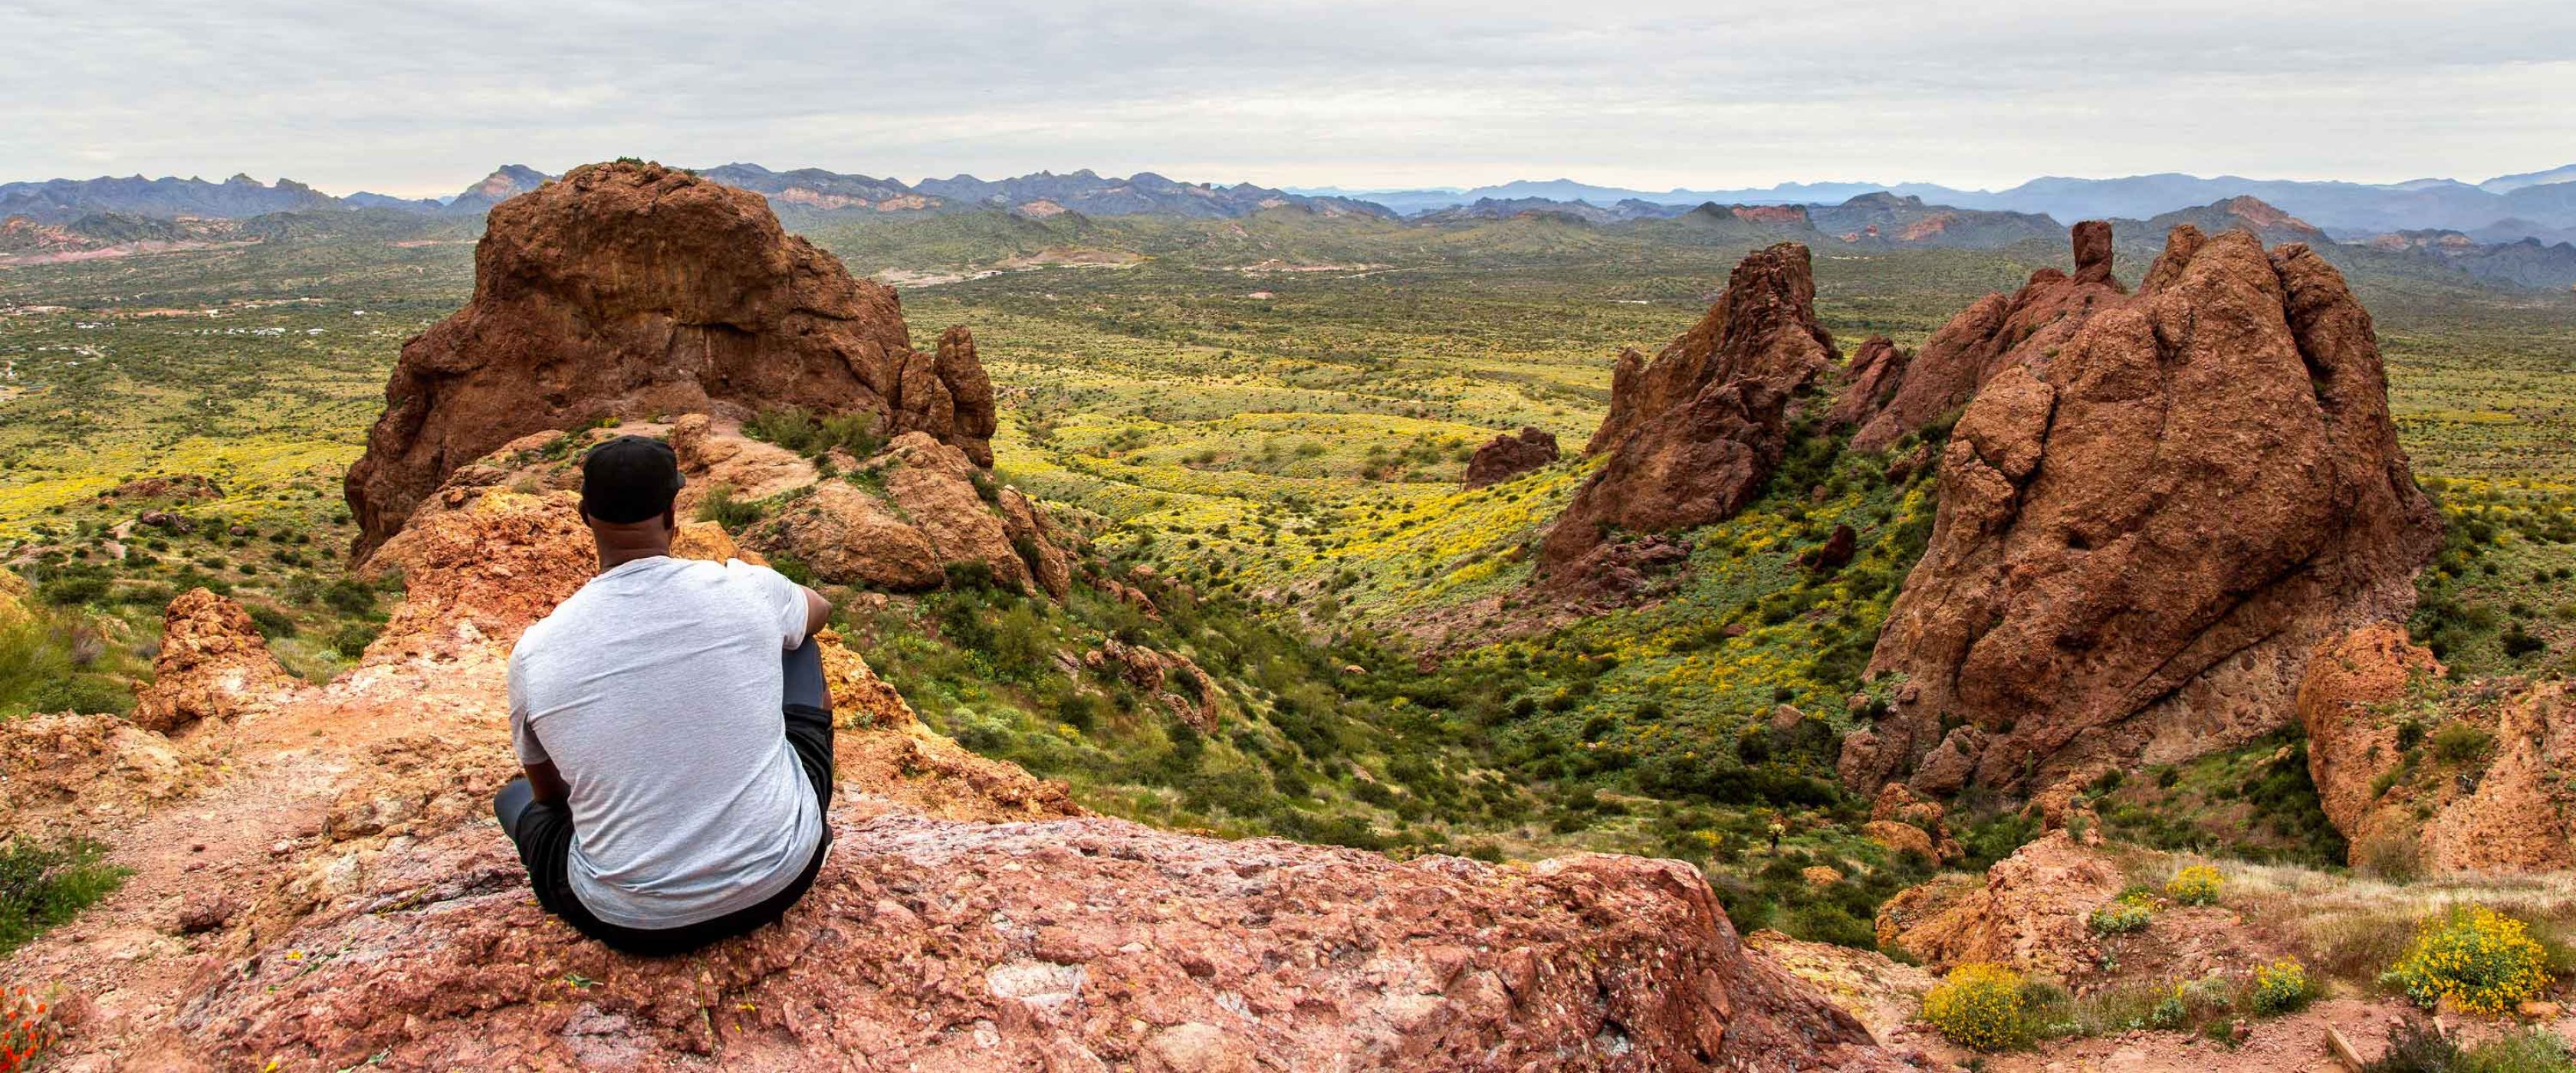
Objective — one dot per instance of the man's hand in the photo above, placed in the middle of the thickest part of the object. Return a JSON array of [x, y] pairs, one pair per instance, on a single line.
[[546, 784], [818, 611]]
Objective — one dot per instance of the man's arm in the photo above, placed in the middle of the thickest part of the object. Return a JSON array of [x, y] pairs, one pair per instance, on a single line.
[[818, 611], [548, 784]]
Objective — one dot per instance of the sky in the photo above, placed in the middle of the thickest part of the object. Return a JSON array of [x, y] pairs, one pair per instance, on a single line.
[[422, 99]]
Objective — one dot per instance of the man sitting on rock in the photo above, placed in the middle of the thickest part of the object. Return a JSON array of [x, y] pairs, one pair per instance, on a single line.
[[678, 768]]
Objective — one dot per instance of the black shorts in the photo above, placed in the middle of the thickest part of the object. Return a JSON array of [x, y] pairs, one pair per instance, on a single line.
[[544, 830]]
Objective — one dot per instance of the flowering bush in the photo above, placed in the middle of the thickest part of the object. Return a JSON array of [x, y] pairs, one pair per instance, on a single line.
[[1980, 1006], [2281, 987], [23, 1030], [2196, 885], [2120, 917], [2480, 959]]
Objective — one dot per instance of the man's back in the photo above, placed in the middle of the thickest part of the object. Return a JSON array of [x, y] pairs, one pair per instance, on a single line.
[[656, 692]]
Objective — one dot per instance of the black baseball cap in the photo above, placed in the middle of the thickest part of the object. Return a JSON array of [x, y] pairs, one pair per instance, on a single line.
[[629, 479]]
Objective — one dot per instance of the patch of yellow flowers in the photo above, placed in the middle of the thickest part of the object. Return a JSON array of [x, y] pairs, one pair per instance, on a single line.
[[2196, 885], [1980, 1006], [2483, 961]]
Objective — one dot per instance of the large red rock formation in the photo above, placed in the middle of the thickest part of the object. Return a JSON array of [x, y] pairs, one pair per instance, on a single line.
[[2141, 538], [2023, 329], [632, 291], [1693, 436]]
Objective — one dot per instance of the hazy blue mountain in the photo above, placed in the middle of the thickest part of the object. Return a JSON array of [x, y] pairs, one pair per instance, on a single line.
[[65, 200], [2543, 201], [366, 200], [2506, 184]]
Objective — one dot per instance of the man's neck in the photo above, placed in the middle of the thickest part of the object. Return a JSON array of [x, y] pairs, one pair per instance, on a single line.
[[612, 556]]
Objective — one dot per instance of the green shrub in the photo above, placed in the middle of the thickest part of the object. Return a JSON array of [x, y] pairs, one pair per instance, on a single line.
[[42, 885], [1980, 1006], [2480, 959], [272, 623], [2120, 918], [722, 508], [2196, 885], [2418, 1047], [75, 589], [2460, 743], [352, 640]]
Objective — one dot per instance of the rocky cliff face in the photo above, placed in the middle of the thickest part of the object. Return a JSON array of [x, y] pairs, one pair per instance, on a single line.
[[2142, 536], [1692, 436], [634, 291]]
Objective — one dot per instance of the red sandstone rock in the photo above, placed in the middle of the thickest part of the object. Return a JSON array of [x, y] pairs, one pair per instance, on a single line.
[[2032, 912], [1875, 372], [1694, 436], [2141, 539], [1077, 944], [2346, 705], [213, 664], [1508, 455], [2025, 329], [633, 291]]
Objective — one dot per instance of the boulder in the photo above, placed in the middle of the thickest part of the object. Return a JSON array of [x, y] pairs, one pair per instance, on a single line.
[[2513, 812], [2141, 539], [1509, 455], [850, 537], [942, 493], [2033, 912], [1039, 544], [1170, 677], [213, 664], [1109, 945], [1872, 377], [1694, 436], [631, 291]]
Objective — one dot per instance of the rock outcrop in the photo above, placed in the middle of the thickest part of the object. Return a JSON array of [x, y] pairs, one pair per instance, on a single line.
[[1172, 678], [2031, 912], [2348, 705], [2141, 538], [893, 522], [1870, 381], [2438, 780], [213, 664], [635, 291], [1693, 436], [1112, 945], [1509, 455], [1889, 394]]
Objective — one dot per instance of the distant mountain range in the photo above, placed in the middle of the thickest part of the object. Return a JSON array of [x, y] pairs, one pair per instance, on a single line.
[[2506, 208], [2536, 204], [2512, 229], [805, 190]]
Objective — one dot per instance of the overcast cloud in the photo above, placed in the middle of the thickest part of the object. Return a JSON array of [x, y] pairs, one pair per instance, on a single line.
[[423, 99]]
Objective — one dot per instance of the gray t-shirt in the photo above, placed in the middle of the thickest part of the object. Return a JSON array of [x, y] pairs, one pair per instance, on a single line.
[[656, 691]]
